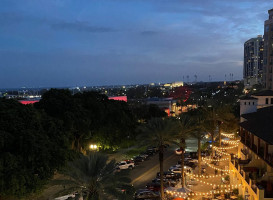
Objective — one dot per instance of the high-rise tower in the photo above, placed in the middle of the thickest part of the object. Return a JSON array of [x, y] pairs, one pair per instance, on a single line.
[[268, 51], [253, 61]]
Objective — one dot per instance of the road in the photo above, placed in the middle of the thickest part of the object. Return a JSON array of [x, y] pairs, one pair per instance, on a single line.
[[147, 170]]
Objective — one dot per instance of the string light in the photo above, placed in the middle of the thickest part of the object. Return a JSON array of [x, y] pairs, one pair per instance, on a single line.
[[211, 184], [209, 176], [221, 152], [231, 141], [228, 135], [217, 160], [183, 195], [223, 187], [223, 170], [226, 148]]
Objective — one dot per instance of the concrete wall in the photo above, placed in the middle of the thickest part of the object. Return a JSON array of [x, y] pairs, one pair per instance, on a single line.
[[262, 101], [248, 106]]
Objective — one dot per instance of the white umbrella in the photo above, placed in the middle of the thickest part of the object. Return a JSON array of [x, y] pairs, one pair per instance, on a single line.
[[178, 192]]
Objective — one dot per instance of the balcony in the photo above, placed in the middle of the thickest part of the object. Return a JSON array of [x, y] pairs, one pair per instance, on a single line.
[[251, 177], [254, 148], [244, 151], [269, 158], [254, 188], [261, 152], [243, 162], [248, 143]]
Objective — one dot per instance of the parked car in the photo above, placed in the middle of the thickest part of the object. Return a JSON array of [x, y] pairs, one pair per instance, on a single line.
[[175, 166], [126, 165], [150, 152], [146, 194], [190, 164], [167, 182], [193, 160], [169, 175], [154, 149], [138, 159], [154, 186], [144, 155], [176, 170]]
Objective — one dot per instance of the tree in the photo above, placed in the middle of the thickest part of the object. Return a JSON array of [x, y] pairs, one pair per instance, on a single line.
[[220, 117], [89, 117], [33, 146], [185, 127], [93, 175], [210, 124], [198, 117], [160, 132]]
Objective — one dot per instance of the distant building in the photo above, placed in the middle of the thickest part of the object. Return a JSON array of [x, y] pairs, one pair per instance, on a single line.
[[171, 106], [119, 98], [268, 51], [174, 84], [253, 61]]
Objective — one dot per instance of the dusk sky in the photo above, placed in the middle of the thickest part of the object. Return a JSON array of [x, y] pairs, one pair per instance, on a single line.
[[55, 43]]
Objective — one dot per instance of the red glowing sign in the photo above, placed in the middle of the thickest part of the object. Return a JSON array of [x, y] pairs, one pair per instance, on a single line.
[[25, 102], [119, 98]]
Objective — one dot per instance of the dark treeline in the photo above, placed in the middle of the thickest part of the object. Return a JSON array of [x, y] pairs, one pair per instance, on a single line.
[[36, 140]]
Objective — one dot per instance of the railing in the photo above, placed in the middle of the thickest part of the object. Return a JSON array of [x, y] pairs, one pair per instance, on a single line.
[[261, 152], [269, 158], [243, 162], [254, 188], [248, 143], [244, 151], [242, 172], [236, 165], [247, 178], [254, 148], [243, 139]]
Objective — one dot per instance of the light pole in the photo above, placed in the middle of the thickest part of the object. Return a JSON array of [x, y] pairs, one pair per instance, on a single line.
[[93, 147]]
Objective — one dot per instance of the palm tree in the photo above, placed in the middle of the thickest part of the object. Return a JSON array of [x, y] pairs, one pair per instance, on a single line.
[[185, 127], [210, 124], [160, 132], [198, 117], [226, 120], [218, 118], [95, 176]]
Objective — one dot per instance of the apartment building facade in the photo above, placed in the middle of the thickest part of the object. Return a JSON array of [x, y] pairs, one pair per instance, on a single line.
[[268, 52], [253, 61], [253, 165]]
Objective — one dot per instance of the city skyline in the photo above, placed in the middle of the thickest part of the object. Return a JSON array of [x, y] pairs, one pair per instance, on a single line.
[[114, 42]]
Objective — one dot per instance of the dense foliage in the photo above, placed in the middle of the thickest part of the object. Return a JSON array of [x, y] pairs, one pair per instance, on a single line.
[[89, 117], [38, 140], [32, 147]]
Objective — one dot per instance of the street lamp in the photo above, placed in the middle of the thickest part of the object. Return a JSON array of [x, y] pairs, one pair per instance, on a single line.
[[93, 147]]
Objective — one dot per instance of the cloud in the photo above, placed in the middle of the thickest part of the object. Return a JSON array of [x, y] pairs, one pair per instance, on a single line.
[[82, 27], [149, 33], [19, 18]]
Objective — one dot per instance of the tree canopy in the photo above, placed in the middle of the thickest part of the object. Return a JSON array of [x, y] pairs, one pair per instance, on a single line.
[[33, 146]]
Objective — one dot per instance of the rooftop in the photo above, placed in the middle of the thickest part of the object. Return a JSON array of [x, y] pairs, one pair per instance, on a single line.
[[264, 93], [260, 123], [248, 98]]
